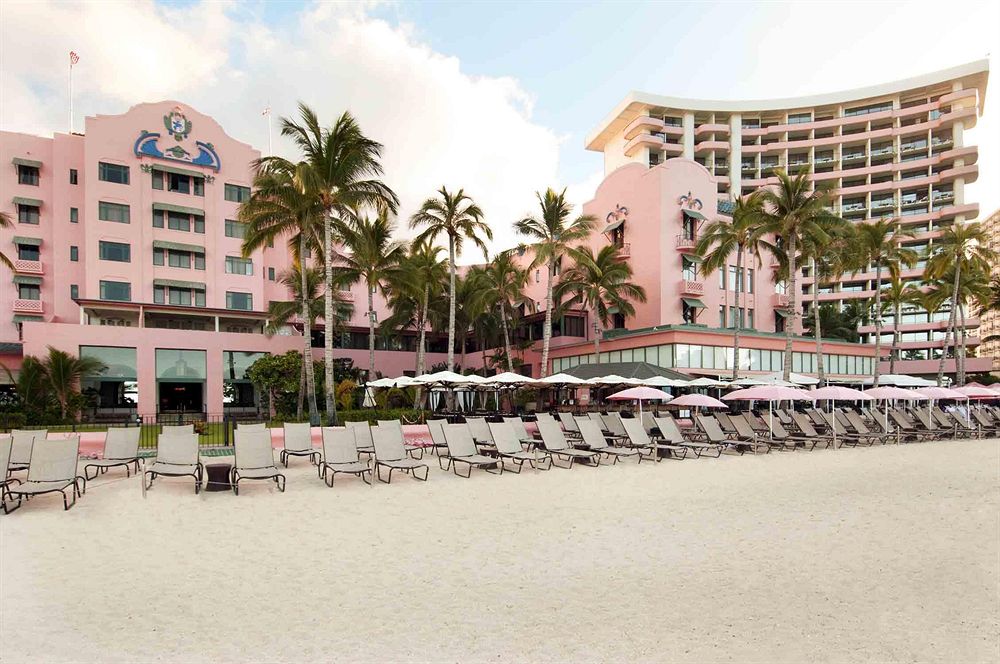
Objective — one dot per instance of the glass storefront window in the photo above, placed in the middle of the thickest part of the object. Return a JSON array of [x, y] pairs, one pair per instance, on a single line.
[[180, 365]]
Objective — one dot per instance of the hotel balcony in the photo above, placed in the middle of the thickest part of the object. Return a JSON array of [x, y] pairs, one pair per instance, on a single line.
[[692, 287], [28, 267], [346, 295], [686, 243], [28, 306], [624, 249], [781, 300]]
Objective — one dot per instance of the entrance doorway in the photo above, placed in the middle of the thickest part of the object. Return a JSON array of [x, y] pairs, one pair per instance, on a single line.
[[181, 397]]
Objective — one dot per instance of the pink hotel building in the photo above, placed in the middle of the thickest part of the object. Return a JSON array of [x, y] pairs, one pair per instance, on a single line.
[[126, 248]]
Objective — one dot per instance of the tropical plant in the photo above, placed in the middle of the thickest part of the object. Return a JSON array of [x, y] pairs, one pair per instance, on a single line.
[[974, 288], [794, 209], [456, 216], [503, 283], [551, 235], [960, 248], [835, 324], [744, 235], [344, 171], [895, 296], [54, 378], [372, 258], [282, 204], [6, 222], [417, 282], [599, 284]]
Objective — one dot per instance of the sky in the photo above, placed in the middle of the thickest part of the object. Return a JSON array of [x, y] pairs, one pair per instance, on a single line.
[[493, 97]]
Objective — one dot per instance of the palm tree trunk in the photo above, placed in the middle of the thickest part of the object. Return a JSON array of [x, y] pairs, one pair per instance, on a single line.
[[307, 357], [961, 349], [817, 328], [302, 390], [547, 327], [878, 319], [738, 323], [597, 336], [328, 317], [951, 323], [506, 336], [371, 334], [451, 303], [793, 294], [894, 355], [422, 343]]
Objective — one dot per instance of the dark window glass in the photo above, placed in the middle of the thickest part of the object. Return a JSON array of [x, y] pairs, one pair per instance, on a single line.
[[74, 254], [74, 215], [29, 292], [113, 212], [235, 229], [112, 173], [158, 256], [270, 274], [236, 193], [178, 221], [237, 265], [115, 251], [74, 177], [28, 252], [74, 291], [118, 291], [157, 179], [178, 183], [28, 214], [27, 175], [242, 301]]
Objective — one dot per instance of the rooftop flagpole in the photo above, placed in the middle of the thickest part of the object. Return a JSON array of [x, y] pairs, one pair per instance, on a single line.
[[73, 59], [267, 114]]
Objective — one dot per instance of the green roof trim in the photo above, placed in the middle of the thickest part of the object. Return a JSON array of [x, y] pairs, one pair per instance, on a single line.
[[21, 200], [30, 281], [782, 312], [178, 246], [177, 171], [167, 207], [20, 161], [694, 214], [691, 259], [27, 241], [19, 318], [693, 302], [175, 283]]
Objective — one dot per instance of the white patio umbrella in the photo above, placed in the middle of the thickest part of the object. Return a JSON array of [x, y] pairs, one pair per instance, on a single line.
[[663, 381], [778, 378], [899, 380], [707, 382]]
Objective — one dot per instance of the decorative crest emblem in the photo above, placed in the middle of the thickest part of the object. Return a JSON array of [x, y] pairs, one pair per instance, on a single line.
[[691, 202], [620, 213], [177, 124]]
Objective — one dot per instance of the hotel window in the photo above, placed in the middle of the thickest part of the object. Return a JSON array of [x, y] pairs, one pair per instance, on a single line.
[[74, 253], [722, 315], [28, 214], [74, 215], [750, 282], [689, 269], [74, 177], [177, 221], [118, 291], [178, 259], [237, 194], [241, 301], [115, 251], [178, 183], [270, 274], [798, 118], [235, 229], [179, 296], [29, 292], [28, 252], [112, 173], [115, 212], [237, 265], [27, 175], [74, 291]]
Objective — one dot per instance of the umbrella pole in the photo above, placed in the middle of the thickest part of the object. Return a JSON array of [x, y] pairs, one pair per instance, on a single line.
[[833, 420]]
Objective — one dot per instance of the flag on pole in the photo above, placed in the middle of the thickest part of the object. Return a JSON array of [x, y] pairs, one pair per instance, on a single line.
[[73, 58], [266, 111]]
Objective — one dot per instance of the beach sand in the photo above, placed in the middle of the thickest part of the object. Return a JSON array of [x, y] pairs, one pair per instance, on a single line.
[[856, 555]]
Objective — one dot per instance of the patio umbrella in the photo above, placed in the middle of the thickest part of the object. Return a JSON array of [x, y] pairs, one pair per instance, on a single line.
[[770, 394], [900, 380], [778, 378], [750, 382], [663, 381], [834, 393], [640, 393], [892, 393], [978, 392], [697, 401], [707, 382]]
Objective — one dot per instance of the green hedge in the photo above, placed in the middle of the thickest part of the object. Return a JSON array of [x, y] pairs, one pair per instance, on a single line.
[[405, 415]]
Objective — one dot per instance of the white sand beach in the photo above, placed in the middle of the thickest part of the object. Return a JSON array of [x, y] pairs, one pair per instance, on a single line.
[[889, 554]]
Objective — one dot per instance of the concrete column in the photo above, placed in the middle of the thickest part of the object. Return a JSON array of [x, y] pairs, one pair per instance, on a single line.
[[735, 155], [213, 380], [688, 139], [146, 375], [958, 135]]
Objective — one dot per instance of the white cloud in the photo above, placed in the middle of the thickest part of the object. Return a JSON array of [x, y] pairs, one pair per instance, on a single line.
[[439, 125]]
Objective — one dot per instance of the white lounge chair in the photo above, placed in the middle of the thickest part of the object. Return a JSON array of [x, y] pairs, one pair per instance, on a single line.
[[6, 442], [362, 436], [254, 459], [509, 447], [340, 455], [594, 438], [462, 448], [121, 448], [176, 456], [556, 445], [298, 442], [415, 451], [21, 441], [254, 426], [52, 467], [520, 431], [171, 429], [390, 453]]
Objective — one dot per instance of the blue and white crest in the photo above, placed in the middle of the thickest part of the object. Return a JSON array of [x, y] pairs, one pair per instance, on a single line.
[[177, 124]]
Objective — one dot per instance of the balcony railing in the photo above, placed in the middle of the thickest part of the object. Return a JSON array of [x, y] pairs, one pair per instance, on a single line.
[[686, 242], [624, 249], [28, 306], [692, 287], [346, 295], [27, 267], [781, 300]]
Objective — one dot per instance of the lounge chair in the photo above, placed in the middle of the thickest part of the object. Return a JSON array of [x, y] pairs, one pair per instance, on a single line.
[[436, 429], [746, 432], [613, 427], [121, 448], [480, 431], [176, 456], [862, 429], [254, 459], [924, 420], [953, 420], [5, 444], [907, 430], [521, 432], [390, 453], [298, 442], [462, 448], [251, 426], [717, 437], [556, 445], [171, 429], [21, 441], [569, 424], [673, 441], [809, 431], [845, 437], [52, 467], [415, 451], [987, 425], [509, 447], [782, 438], [595, 441], [648, 422], [363, 437], [340, 455]]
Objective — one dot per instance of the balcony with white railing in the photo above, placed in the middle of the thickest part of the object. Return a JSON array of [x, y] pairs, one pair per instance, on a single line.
[[686, 242], [27, 267], [346, 295], [690, 287], [624, 249], [23, 306]]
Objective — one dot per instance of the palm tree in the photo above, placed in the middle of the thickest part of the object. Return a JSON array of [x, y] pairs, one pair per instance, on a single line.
[[344, 174], [63, 372], [720, 239], [458, 217], [834, 324], [599, 284], [283, 205], [552, 234], [896, 295], [828, 246], [373, 257], [975, 287], [960, 248], [420, 277], [503, 283], [878, 244], [6, 222], [794, 208]]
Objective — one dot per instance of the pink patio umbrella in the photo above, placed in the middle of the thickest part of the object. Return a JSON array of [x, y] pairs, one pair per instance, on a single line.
[[891, 393], [835, 393], [697, 401], [977, 392], [770, 394], [939, 393], [640, 393]]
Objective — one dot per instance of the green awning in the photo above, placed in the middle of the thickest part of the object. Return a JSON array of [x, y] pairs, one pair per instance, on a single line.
[[782, 312], [691, 259], [28, 241], [178, 246], [18, 318], [167, 207], [694, 303], [30, 281], [21, 200], [177, 171], [175, 283], [19, 161], [694, 214], [613, 225]]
